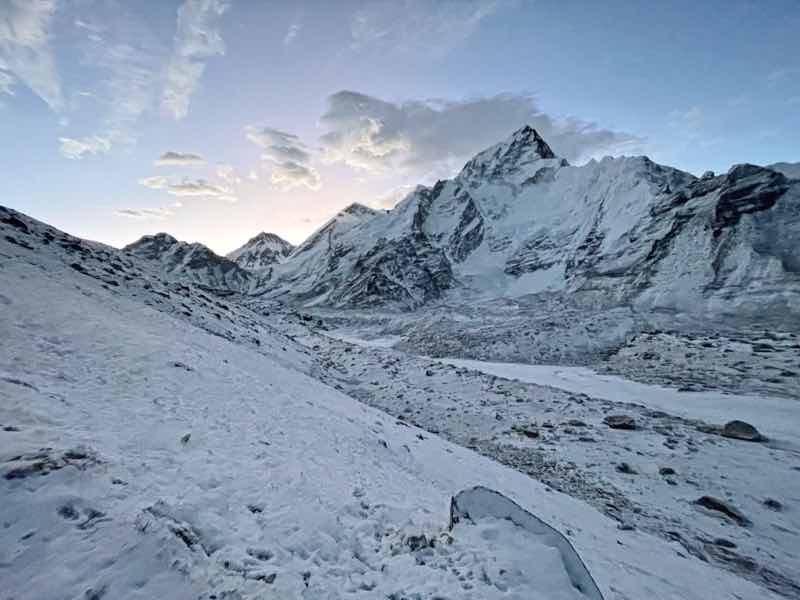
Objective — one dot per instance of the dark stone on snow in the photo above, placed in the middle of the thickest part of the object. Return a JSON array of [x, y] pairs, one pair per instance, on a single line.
[[741, 430], [620, 422], [715, 504]]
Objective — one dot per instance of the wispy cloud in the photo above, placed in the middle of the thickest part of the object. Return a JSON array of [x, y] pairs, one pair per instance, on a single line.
[[155, 182], [391, 198], [179, 159], [126, 56], [143, 214], [777, 76], [6, 81], [190, 188], [228, 174], [25, 49], [76, 149], [423, 26], [288, 156], [291, 33], [197, 38], [435, 135], [737, 101]]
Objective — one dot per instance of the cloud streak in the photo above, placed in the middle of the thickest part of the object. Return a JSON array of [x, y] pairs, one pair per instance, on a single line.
[[179, 159], [142, 214], [189, 188], [418, 26], [127, 57], [421, 136], [197, 38], [288, 156], [77, 148], [25, 49]]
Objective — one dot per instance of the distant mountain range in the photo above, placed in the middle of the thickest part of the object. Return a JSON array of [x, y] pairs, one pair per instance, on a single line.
[[519, 220]]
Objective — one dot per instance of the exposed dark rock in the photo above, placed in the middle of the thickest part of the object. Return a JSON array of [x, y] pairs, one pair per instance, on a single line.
[[715, 504], [740, 430], [620, 422]]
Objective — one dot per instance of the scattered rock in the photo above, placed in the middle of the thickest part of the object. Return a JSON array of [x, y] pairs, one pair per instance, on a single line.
[[620, 422], [712, 503], [740, 430], [624, 467], [185, 438], [724, 543], [418, 542], [666, 471], [528, 431], [773, 504]]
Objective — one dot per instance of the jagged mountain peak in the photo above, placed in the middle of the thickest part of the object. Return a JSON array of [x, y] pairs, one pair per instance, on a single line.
[[357, 209], [515, 160], [267, 237], [528, 136], [261, 252]]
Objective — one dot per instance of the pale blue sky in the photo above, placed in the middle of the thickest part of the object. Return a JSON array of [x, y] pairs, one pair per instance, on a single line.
[[297, 109]]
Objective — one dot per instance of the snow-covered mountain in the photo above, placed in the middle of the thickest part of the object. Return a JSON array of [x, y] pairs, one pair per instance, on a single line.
[[195, 263], [519, 220], [260, 253]]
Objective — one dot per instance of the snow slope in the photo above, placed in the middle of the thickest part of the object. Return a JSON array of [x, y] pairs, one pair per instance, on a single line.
[[145, 455]]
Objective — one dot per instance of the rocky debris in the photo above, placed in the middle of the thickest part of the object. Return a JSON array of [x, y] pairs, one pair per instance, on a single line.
[[773, 504], [185, 438], [46, 461], [418, 542], [625, 468], [741, 430], [666, 471], [529, 431], [625, 422], [715, 504]]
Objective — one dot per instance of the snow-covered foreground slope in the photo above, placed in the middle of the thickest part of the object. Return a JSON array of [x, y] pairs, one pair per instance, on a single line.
[[145, 456]]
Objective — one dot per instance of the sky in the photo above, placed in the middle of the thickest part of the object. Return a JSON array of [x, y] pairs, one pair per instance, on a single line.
[[214, 120]]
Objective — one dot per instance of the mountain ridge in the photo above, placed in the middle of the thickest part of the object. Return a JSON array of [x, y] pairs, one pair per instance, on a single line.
[[519, 220]]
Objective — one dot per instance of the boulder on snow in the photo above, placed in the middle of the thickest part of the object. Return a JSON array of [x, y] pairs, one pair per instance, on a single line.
[[620, 422], [480, 502], [741, 430], [712, 503]]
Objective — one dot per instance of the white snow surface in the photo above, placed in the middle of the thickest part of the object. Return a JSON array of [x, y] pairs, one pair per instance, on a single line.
[[774, 417], [144, 457]]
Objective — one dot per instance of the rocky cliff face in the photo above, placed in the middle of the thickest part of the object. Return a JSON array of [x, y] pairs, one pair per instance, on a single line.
[[195, 263]]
